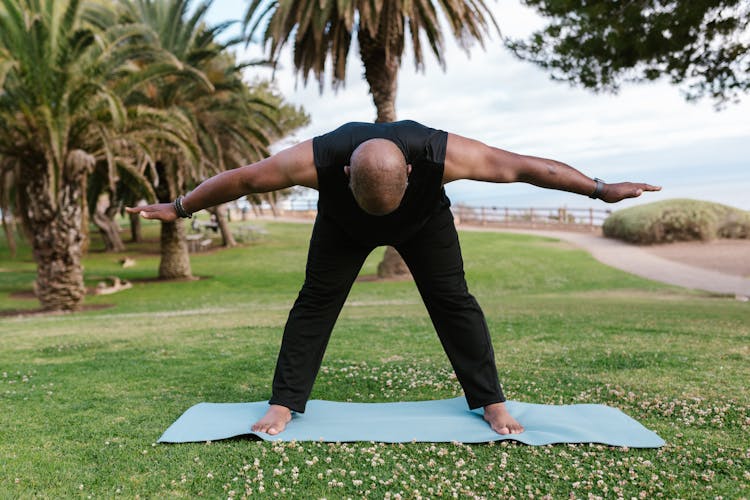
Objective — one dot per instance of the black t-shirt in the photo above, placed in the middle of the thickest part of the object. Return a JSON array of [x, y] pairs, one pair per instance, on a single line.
[[424, 149]]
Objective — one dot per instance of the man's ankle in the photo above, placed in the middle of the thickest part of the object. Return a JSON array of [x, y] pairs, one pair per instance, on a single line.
[[500, 406], [280, 408]]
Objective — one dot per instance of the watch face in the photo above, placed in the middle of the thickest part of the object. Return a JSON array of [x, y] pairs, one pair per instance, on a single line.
[[598, 189]]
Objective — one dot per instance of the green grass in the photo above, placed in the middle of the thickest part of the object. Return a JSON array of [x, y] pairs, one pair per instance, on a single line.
[[84, 397]]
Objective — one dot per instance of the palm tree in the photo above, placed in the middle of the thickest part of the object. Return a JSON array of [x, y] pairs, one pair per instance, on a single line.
[[230, 126], [59, 114], [321, 29], [184, 37]]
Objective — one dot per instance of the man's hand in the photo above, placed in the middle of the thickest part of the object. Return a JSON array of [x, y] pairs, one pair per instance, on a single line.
[[160, 211], [612, 193]]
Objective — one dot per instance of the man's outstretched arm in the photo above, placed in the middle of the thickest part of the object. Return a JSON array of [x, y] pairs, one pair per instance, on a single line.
[[470, 159], [291, 167]]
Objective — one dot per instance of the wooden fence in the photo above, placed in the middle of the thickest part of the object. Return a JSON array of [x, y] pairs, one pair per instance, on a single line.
[[522, 217], [534, 217]]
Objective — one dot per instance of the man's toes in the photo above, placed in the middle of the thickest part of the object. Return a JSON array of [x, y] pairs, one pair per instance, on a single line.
[[503, 430], [267, 427]]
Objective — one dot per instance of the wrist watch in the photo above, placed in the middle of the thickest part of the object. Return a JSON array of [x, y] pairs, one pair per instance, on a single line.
[[598, 190]]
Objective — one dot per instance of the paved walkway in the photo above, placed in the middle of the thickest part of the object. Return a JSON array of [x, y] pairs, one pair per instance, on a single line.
[[632, 259]]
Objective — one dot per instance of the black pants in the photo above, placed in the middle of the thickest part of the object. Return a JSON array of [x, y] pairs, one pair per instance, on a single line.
[[433, 256]]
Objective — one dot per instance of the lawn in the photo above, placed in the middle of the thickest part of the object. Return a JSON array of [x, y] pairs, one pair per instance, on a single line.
[[84, 397]]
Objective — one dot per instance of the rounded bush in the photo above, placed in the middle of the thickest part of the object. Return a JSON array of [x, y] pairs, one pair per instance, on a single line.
[[677, 220]]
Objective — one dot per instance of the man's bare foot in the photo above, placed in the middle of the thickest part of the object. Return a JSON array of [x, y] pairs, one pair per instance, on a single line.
[[500, 420], [274, 421]]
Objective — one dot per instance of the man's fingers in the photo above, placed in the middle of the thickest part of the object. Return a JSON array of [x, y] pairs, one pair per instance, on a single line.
[[137, 210], [633, 190], [134, 210], [146, 214], [147, 211], [640, 188]]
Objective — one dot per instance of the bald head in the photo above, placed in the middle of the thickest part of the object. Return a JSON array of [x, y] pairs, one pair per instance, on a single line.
[[378, 175]]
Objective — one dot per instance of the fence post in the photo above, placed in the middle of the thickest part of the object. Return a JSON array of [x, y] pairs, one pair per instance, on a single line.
[[481, 215]]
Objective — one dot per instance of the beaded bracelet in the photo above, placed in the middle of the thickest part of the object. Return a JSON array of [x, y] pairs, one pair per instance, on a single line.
[[180, 209]]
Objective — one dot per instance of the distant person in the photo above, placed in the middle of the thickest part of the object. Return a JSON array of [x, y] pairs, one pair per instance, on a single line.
[[382, 184]]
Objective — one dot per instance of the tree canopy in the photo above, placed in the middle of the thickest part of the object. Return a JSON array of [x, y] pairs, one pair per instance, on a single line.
[[115, 92], [701, 45], [322, 30]]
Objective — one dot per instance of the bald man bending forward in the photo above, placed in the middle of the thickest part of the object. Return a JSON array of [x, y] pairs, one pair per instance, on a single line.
[[382, 184]]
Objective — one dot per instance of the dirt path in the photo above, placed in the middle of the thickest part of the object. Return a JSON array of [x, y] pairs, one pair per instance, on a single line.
[[691, 266], [725, 256]]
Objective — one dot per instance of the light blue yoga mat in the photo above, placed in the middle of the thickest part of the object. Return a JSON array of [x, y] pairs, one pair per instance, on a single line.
[[446, 420]]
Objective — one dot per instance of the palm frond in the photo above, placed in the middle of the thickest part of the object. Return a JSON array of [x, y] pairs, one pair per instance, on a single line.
[[322, 30]]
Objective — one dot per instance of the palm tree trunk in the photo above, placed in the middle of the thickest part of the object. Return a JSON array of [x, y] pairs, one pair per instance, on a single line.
[[271, 200], [392, 265], [110, 231], [227, 239], [85, 233], [136, 236], [175, 260], [8, 228], [7, 218], [381, 73], [54, 223], [105, 212]]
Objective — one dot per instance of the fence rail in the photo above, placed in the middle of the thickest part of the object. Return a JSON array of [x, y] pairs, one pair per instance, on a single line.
[[541, 217]]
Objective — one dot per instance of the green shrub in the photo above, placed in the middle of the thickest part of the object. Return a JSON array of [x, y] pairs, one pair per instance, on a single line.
[[677, 220]]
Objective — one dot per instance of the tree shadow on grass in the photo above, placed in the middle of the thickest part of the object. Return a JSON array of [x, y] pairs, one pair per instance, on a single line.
[[12, 313]]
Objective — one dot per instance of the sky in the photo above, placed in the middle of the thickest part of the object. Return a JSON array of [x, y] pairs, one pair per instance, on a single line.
[[645, 133]]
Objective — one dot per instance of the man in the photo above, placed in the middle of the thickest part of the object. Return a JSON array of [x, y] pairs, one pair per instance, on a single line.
[[382, 184]]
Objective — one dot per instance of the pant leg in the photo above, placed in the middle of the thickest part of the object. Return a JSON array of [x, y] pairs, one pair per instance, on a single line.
[[434, 259], [333, 262]]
